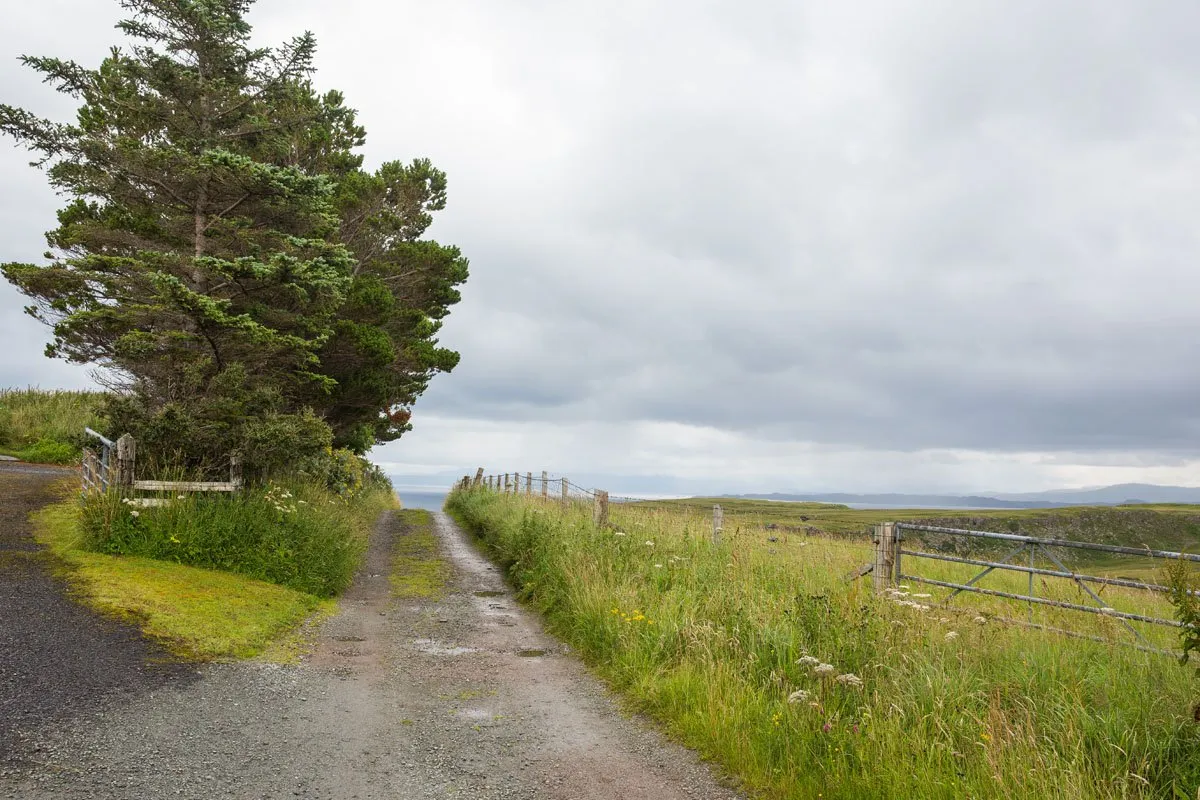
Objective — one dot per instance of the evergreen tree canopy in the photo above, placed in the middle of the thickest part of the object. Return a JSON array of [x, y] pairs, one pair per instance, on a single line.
[[224, 257]]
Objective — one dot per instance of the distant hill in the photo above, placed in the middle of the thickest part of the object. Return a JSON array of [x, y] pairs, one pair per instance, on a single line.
[[1120, 494], [1116, 494]]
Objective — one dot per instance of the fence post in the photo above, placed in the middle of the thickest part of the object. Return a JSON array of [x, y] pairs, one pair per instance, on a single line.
[[516, 483], [126, 461], [528, 484], [478, 477], [545, 485], [235, 469], [718, 524], [885, 556], [565, 494], [600, 508], [506, 478]]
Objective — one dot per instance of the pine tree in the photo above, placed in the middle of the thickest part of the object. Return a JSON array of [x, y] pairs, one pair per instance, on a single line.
[[224, 256]]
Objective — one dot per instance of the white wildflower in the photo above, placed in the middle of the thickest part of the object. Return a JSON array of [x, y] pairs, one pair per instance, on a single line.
[[943, 620], [849, 679], [649, 544], [912, 604], [824, 669], [135, 513], [922, 596], [798, 696], [180, 497], [126, 500], [618, 533], [658, 566], [981, 620], [951, 636], [808, 661], [905, 586]]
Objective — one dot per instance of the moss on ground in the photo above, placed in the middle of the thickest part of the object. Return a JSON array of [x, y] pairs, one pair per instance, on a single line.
[[418, 569]]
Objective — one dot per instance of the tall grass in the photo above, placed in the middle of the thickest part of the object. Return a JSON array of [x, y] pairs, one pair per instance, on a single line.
[[301, 535], [46, 426], [715, 640]]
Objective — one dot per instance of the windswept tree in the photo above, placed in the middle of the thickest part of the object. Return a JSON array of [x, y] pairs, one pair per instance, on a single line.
[[224, 258]]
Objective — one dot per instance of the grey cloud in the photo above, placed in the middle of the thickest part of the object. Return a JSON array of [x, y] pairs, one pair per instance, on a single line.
[[909, 225]]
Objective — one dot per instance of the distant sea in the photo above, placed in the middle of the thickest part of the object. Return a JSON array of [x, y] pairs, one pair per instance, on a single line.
[[879, 506], [421, 498]]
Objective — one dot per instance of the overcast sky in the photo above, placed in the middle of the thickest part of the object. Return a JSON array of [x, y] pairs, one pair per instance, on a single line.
[[911, 246]]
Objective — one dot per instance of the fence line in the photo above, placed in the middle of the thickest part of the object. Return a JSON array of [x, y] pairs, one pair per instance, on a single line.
[[890, 554]]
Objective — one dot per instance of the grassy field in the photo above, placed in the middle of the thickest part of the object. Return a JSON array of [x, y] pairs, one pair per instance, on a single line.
[[803, 683], [46, 426]]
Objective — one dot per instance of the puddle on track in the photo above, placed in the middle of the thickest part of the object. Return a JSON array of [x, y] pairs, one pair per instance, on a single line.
[[436, 648]]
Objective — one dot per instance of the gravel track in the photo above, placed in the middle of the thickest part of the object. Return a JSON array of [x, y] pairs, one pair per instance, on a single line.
[[400, 699], [58, 660]]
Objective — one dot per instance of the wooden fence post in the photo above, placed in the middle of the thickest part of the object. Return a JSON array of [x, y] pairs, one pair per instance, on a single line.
[[600, 508], [565, 494], [126, 461], [545, 485], [506, 483], [478, 477], [235, 469], [528, 484], [885, 556], [718, 524]]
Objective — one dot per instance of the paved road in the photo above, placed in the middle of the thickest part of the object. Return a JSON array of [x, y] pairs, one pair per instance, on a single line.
[[58, 661], [401, 699]]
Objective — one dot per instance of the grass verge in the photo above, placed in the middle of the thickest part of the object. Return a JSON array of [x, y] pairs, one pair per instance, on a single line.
[[418, 569], [759, 653], [302, 536], [195, 613]]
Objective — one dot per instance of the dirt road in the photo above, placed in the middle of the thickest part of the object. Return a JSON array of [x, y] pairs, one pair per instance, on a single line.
[[464, 697]]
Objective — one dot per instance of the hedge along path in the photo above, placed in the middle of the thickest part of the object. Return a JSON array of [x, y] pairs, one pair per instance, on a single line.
[[453, 692], [58, 660]]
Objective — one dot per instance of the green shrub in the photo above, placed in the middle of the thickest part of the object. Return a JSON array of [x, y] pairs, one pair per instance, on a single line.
[[299, 536], [48, 451]]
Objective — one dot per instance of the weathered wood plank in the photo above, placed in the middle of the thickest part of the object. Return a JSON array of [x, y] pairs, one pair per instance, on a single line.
[[184, 486]]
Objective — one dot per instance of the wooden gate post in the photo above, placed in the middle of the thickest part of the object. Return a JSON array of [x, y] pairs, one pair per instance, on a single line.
[[126, 462], [235, 469], [600, 508], [718, 524], [885, 556], [565, 495]]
